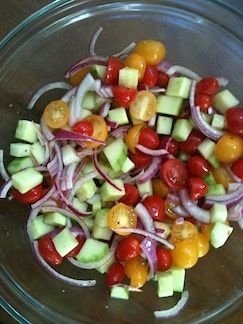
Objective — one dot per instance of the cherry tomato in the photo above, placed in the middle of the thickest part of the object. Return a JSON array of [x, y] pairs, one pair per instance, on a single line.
[[197, 188], [156, 207], [112, 71], [229, 148], [169, 144], [152, 51], [237, 168], [148, 138], [207, 86], [137, 62], [76, 78], [234, 119], [206, 229], [144, 106], [182, 231], [140, 159], [174, 174], [198, 166], [151, 75], [128, 248], [204, 101], [192, 142], [163, 80], [164, 258], [202, 245], [222, 176], [30, 196], [124, 96], [121, 216], [76, 250], [131, 197], [160, 188], [115, 274], [84, 127], [100, 130], [137, 270], [48, 251], [56, 114], [185, 253], [132, 136]]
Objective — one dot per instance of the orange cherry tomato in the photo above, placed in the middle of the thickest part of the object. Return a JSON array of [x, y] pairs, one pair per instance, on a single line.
[[152, 51], [206, 229], [160, 188], [185, 253], [185, 230], [202, 245], [76, 78], [56, 114], [229, 148], [222, 176], [132, 137], [137, 270], [100, 130], [143, 107], [137, 62], [121, 216]]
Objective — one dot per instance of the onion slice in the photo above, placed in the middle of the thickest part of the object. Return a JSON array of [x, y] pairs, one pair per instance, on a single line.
[[3, 171], [5, 188], [94, 40], [150, 171], [229, 199], [150, 151], [148, 247], [144, 217], [120, 131], [183, 70], [65, 135]]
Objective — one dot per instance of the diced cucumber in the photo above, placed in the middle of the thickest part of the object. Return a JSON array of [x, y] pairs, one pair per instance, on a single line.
[[105, 267], [116, 153], [80, 205], [19, 164], [181, 130], [89, 222], [55, 219], [169, 105], [218, 121], [213, 160], [183, 156], [19, 149], [101, 217], [98, 71], [224, 100], [178, 275], [85, 113], [26, 131], [215, 189], [127, 166], [87, 190], [65, 241], [164, 125], [97, 205], [109, 193], [39, 228], [89, 167], [209, 179], [145, 189], [165, 284], [92, 250], [120, 292], [69, 155], [128, 77], [102, 233], [206, 148], [89, 100], [218, 213], [38, 152], [26, 179], [164, 227], [179, 87], [118, 115], [219, 234]]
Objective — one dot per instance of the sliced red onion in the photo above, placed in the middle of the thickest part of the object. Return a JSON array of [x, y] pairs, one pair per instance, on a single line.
[[77, 231], [172, 199], [119, 131], [184, 71], [180, 211], [104, 109], [3, 171], [240, 222], [104, 91], [235, 213], [57, 275], [52, 166], [33, 214], [151, 171], [128, 179], [5, 188], [222, 81], [88, 61], [150, 151], [68, 174], [69, 94], [157, 90], [174, 310], [164, 66], [63, 134], [232, 174], [46, 130], [144, 217], [45, 88], [129, 288], [126, 50], [232, 186], [148, 247], [192, 94], [94, 40], [229, 199], [192, 208], [111, 123]]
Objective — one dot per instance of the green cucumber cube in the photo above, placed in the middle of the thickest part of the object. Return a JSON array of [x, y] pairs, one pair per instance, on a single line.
[[26, 179], [166, 228], [145, 189], [27, 131], [101, 233], [19, 149], [85, 113], [183, 156], [65, 242], [89, 100], [97, 205], [39, 228], [116, 153], [179, 87], [206, 148], [169, 105], [98, 71], [181, 130], [213, 160], [105, 267], [218, 121], [89, 167], [19, 164], [218, 213], [224, 100], [178, 275], [165, 284], [38, 152], [219, 234], [92, 250], [101, 217], [109, 193], [55, 219], [119, 292], [69, 155], [87, 190], [89, 222], [128, 77], [209, 179], [80, 205], [215, 189], [127, 166], [118, 115], [164, 125]]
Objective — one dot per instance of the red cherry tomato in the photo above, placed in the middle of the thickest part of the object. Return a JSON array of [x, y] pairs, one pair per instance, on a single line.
[[164, 258], [151, 75], [204, 101], [163, 80], [128, 248], [148, 138], [192, 142], [131, 197], [140, 159], [84, 127], [169, 144], [112, 71], [156, 207], [197, 188], [76, 250], [124, 96], [48, 251], [207, 86], [234, 118], [237, 168], [30, 196], [198, 166], [174, 174], [115, 274]]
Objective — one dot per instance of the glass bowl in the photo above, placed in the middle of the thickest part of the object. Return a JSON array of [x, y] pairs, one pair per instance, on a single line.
[[205, 36]]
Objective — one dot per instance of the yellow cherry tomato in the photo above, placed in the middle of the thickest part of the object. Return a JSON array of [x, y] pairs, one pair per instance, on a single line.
[[202, 245], [143, 107], [137, 62], [56, 114], [100, 130], [152, 51], [132, 136], [76, 78], [222, 176], [182, 231], [206, 229], [229, 148], [137, 270], [185, 253], [121, 216], [160, 188]]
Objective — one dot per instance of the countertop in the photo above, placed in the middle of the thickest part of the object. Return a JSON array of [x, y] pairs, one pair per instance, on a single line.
[[12, 12]]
